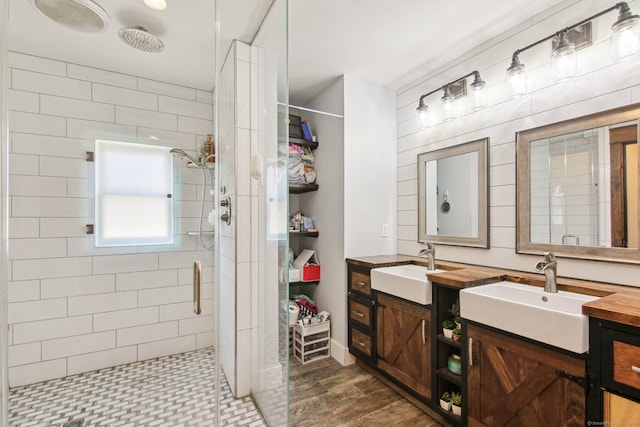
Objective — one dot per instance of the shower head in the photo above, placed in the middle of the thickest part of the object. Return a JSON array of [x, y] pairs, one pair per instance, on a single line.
[[81, 15], [183, 155], [141, 39]]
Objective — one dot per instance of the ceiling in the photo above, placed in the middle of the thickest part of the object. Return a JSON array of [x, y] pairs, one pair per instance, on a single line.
[[385, 42]]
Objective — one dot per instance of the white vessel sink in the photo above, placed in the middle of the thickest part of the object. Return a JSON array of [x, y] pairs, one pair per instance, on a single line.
[[552, 318], [404, 281]]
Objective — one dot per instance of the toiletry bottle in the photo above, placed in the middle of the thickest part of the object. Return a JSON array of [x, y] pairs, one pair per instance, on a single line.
[[209, 148]]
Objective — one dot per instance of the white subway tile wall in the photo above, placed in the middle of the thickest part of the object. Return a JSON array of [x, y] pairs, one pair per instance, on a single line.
[[73, 307], [600, 85]]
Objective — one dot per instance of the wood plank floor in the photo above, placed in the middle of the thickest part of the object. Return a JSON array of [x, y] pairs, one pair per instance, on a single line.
[[325, 393]]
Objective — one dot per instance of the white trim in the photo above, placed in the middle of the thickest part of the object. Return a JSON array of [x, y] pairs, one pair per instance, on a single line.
[[341, 354]]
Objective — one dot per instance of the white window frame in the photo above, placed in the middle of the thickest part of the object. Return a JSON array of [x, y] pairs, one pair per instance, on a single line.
[[133, 194]]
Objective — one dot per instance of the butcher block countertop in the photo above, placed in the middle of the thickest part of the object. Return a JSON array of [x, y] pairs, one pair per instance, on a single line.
[[618, 303]]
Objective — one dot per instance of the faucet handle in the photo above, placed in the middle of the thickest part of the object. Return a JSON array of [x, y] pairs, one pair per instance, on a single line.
[[549, 257], [429, 245]]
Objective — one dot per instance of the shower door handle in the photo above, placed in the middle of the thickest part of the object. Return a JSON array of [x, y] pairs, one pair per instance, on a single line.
[[197, 271]]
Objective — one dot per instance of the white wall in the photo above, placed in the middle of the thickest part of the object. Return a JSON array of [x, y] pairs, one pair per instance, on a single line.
[[601, 85], [73, 307], [355, 160]]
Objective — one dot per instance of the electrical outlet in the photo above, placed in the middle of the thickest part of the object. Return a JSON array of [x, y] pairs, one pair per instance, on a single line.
[[385, 230]]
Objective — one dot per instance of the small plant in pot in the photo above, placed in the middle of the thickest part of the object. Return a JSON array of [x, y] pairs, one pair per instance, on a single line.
[[445, 401], [447, 328], [455, 312], [456, 403], [457, 335]]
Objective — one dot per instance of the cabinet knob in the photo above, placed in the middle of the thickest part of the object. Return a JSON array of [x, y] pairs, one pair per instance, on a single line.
[[357, 313], [635, 369]]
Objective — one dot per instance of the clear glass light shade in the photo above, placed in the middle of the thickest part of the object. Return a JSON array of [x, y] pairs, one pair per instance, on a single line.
[[625, 39], [478, 95], [564, 62], [516, 81], [448, 106], [422, 116]]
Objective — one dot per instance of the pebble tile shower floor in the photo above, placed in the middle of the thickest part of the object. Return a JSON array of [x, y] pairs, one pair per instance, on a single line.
[[168, 391]]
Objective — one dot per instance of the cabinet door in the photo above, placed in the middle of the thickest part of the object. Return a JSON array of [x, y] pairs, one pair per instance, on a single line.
[[404, 350], [512, 382], [619, 411]]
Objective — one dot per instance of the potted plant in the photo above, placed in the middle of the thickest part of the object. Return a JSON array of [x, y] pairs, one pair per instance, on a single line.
[[457, 334], [445, 401], [447, 327], [455, 312], [456, 403]]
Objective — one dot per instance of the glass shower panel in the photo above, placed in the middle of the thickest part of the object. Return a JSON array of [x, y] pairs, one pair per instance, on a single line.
[[116, 306], [269, 379]]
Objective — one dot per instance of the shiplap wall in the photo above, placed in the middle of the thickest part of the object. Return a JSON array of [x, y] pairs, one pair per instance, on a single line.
[[601, 85]]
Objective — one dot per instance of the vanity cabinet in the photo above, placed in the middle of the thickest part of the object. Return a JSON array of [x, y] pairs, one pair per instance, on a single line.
[[615, 363], [403, 342], [361, 317], [511, 381]]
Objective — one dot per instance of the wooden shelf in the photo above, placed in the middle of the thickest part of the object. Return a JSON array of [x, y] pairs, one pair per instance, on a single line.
[[303, 233], [295, 188], [457, 419], [449, 376], [303, 283], [304, 143], [449, 341]]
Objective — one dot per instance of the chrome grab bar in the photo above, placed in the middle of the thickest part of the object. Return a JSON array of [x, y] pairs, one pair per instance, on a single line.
[[197, 272]]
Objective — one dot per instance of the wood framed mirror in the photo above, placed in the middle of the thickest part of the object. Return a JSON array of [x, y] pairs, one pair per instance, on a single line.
[[577, 187], [453, 195]]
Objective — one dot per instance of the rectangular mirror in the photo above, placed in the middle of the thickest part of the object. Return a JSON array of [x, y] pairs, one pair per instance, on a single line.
[[453, 195], [578, 187]]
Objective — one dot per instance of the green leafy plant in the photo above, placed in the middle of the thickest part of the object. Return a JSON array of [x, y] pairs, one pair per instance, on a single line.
[[446, 397], [449, 324], [456, 398], [455, 311], [457, 331]]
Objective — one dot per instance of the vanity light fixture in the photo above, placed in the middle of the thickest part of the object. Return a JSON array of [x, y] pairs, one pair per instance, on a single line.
[[452, 91], [624, 43]]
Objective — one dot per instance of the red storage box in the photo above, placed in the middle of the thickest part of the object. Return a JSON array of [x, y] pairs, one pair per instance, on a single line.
[[309, 265]]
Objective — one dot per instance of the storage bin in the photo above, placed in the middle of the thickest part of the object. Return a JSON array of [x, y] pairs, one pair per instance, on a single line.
[[312, 342]]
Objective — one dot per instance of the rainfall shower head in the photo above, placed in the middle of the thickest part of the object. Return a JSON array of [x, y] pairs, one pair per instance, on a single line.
[[182, 155], [141, 39]]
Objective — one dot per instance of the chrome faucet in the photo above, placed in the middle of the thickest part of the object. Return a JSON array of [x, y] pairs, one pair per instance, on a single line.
[[430, 253], [550, 268]]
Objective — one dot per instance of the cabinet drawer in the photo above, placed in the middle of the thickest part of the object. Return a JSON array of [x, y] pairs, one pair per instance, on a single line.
[[360, 341], [626, 364], [360, 282], [620, 362], [360, 311]]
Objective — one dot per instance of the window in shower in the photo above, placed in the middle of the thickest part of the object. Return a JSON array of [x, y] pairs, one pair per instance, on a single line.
[[133, 194]]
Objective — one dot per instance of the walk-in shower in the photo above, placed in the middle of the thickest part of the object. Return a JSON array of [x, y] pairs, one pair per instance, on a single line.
[[204, 165]]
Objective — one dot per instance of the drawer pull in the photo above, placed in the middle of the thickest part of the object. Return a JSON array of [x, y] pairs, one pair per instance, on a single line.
[[635, 369], [357, 313], [359, 342], [359, 283]]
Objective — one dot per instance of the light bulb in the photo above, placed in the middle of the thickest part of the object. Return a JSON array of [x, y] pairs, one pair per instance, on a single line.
[[516, 79], [564, 63], [448, 107], [478, 98], [422, 116], [625, 35]]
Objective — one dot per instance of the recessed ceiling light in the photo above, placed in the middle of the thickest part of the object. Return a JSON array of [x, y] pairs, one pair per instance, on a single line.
[[156, 4]]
